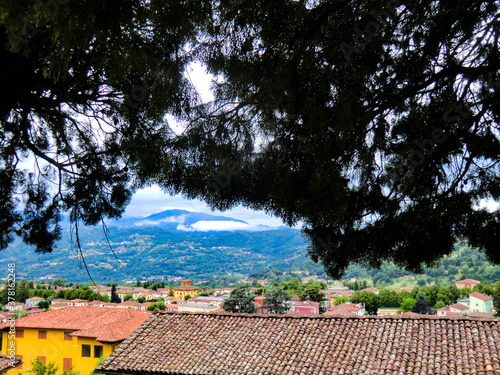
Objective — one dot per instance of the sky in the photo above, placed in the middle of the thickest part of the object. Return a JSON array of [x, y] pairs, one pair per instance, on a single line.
[[152, 200]]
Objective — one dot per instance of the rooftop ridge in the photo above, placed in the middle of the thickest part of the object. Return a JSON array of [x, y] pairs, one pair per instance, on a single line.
[[281, 316]]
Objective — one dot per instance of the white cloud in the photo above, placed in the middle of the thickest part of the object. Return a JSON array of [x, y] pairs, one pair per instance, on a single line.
[[173, 219], [205, 226], [489, 204], [152, 200]]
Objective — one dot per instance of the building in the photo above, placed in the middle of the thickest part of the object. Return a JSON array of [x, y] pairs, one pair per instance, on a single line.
[[467, 283], [309, 307], [33, 301], [196, 307], [221, 291], [78, 302], [130, 305], [347, 309], [15, 306], [385, 311], [7, 363], [480, 302], [218, 301], [72, 337], [452, 310], [242, 344], [186, 289]]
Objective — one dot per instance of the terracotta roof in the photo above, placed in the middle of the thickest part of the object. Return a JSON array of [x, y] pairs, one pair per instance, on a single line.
[[482, 297], [459, 306], [307, 304], [130, 303], [348, 306], [186, 288], [300, 313], [480, 315], [191, 343], [468, 281], [295, 298], [410, 314], [339, 312], [7, 363], [407, 288], [103, 324], [35, 299]]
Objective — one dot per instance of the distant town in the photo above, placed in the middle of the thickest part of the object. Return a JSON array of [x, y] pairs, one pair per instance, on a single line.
[[100, 317]]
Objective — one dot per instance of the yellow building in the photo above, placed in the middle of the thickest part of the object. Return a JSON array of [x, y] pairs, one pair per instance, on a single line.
[[185, 289], [386, 311], [72, 337]]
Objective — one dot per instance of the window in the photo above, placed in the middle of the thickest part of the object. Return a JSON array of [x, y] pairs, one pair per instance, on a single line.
[[20, 367], [42, 359], [42, 334], [98, 351], [19, 333], [67, 364], [86, 351], [67, 337]]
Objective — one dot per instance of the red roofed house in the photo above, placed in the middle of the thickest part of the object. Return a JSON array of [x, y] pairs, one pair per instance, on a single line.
[[8, 362], [243, 344], [185, 289], [480, 302], [33, 301], [309, 307], [346, 309], [71, 337], [467, 283], [452, 310]]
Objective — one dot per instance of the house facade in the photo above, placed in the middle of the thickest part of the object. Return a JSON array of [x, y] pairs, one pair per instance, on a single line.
[[73, 337], [33, 301], [480, 302], [388, 311], [186, 289], [467, 283]]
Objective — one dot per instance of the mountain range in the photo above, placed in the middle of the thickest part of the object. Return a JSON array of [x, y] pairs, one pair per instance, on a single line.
[[173, 243], [188, 221]]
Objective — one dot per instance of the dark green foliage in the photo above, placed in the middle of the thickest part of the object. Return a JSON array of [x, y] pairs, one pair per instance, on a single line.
[[496, 299], [241, 300], [276, 300], [43, 305], [88, 86], [421, 307], [312, 291], [369, 299], [356, 285], [114, 296]]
